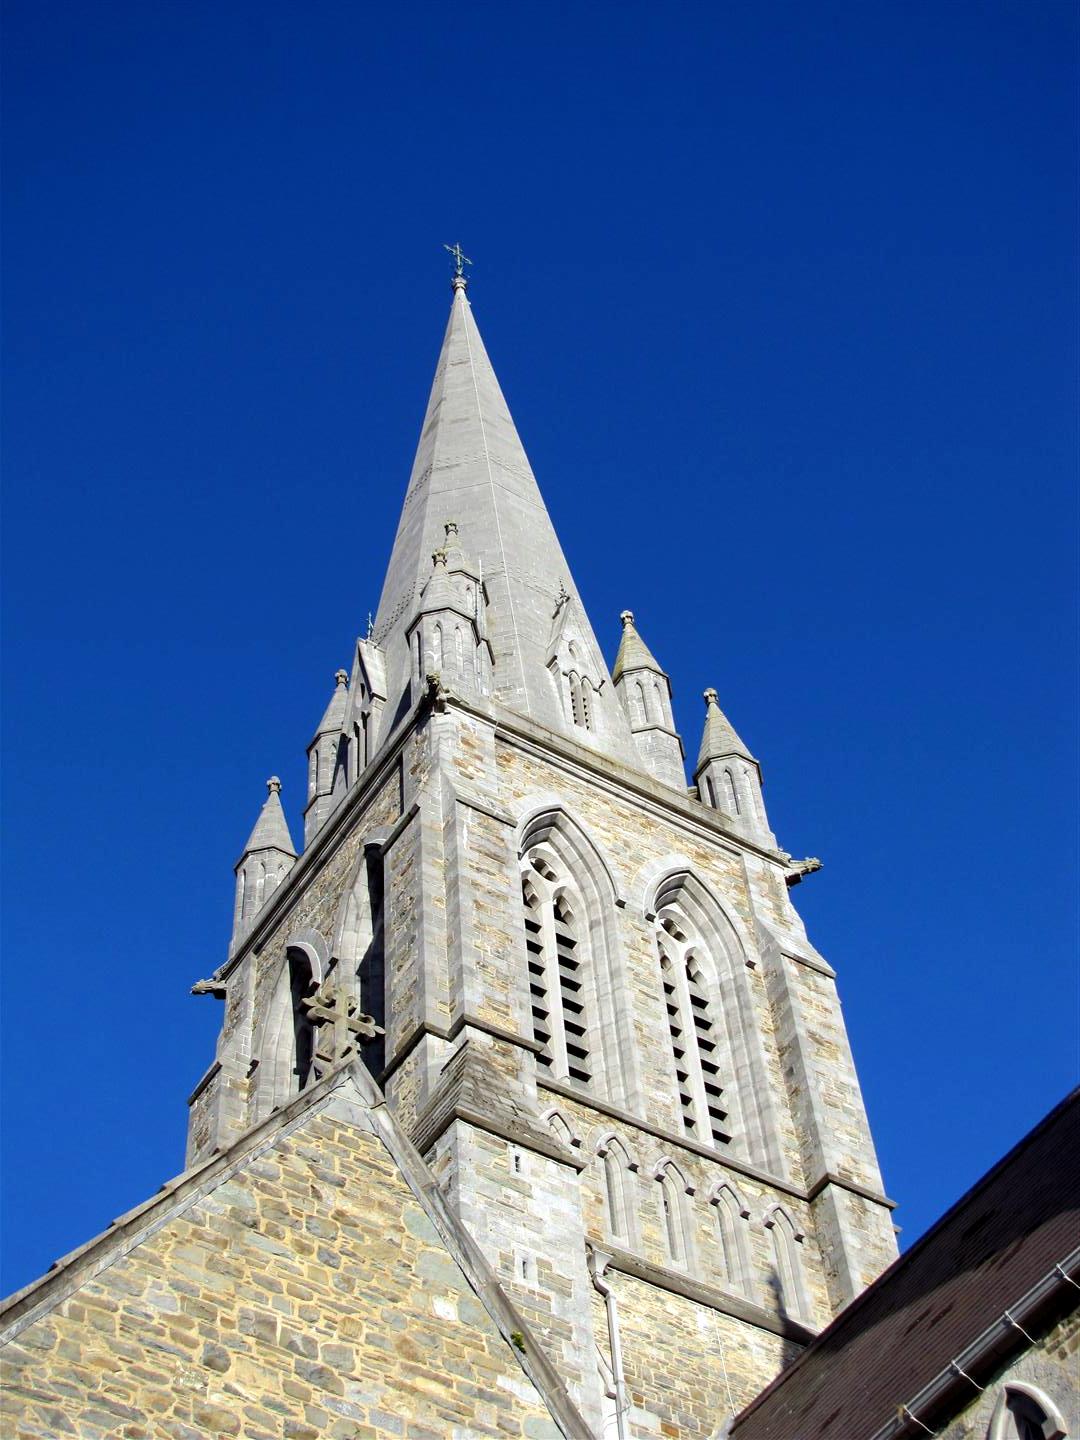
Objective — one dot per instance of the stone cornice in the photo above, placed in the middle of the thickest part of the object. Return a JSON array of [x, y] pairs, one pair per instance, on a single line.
[[854, 1188]]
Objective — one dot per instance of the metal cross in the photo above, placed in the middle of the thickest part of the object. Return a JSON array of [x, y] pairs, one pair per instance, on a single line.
[[342, 1025], [460, 258]]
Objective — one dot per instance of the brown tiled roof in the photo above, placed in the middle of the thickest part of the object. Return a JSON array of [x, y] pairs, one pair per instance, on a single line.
[[1007, 1233]]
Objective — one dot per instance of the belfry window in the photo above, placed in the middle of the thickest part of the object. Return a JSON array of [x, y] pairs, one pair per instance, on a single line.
[[694, 1039], [556, 974]]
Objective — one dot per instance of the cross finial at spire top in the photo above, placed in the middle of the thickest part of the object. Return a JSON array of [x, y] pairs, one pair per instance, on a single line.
[[460, 261]]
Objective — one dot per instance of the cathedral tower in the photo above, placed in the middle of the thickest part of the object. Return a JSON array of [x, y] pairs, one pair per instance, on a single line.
[[586, 994]]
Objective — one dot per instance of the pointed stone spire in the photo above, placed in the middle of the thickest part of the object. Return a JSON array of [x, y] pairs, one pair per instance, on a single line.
[[633, 654], [268, 856], [471, 471], [727, 775], [645, 692], [323, 754], [271, 830], [718, 738]]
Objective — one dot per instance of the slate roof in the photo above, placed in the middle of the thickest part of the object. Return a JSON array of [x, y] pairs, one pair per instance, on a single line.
[[949, 1290]]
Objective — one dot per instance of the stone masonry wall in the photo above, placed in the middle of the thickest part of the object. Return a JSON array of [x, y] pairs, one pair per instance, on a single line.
[[307, 1295]]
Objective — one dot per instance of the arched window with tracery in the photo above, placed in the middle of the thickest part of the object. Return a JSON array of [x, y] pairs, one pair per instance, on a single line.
[[581, 1013], [557, 978], [719, 1059], [694, 1035]]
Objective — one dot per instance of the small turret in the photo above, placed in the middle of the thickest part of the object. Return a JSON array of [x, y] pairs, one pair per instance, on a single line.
[[323, 755], [268, 857], [727, 775], [645, 692], [447, 634]]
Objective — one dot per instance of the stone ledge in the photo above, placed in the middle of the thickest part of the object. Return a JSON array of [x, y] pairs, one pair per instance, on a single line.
[[823, 1181], [451, 1032], [678, 1283]]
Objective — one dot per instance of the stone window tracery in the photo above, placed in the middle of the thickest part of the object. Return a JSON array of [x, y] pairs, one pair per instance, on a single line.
[[694, 1040]]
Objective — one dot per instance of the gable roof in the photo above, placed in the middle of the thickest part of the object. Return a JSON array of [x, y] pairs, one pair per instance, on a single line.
[[943, 1301]]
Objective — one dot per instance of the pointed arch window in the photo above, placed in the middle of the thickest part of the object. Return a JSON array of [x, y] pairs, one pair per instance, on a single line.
[[619, 1189], [787, 1277], [556, 959], [731, 1217], [694, 1034], [673, 1216], [733, 794]]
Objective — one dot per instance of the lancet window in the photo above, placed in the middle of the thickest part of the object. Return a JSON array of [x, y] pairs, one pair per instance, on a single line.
[[619, 1189], [787, 1279], [555, 946], [673, 1214], [695, 1037]]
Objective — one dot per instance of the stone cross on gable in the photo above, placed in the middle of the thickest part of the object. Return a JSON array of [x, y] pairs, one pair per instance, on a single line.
[[341, 1025]]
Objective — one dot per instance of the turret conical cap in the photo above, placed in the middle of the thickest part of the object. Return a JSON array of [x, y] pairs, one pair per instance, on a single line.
[[719, 738], [334, 717], [271, 829], [633, 654]]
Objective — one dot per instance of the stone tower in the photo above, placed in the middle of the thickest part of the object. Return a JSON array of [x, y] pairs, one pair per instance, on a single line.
[[532, 1111], [580, 984]]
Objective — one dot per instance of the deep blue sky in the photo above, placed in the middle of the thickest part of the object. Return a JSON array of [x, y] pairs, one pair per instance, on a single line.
[[783, 298]]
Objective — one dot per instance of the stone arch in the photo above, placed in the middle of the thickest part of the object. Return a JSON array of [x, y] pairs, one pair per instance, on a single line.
[[1036, 1406], [358, 937], [786, 1280], [286, 1047], [552, 834], [723, 961], [311, 944], [732, 1215], [558, 1124], [619, 1169], [675, 1222]]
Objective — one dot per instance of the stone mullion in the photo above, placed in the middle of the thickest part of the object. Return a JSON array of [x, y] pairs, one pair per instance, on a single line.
[[702, 1130]]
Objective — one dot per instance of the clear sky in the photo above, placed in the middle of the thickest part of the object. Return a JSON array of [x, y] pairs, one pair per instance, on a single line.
[[783, 299]]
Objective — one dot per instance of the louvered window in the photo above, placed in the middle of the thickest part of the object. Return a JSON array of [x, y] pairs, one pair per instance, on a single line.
[[557, 980], [695, 1042]]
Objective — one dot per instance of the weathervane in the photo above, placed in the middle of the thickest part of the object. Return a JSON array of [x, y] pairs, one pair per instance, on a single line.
[[460, 259]]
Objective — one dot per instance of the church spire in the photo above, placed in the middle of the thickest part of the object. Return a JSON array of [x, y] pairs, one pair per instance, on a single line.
[[471, 471]]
